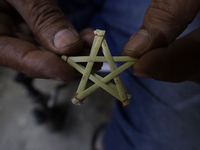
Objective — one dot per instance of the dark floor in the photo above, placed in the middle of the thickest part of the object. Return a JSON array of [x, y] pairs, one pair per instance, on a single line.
[[19, 129]]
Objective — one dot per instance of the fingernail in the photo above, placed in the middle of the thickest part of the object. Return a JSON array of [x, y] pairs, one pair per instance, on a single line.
[[139, 41], [65, 38], [140, 74]]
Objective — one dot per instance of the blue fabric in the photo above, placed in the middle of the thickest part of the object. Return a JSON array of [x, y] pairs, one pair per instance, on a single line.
[[161, 115]]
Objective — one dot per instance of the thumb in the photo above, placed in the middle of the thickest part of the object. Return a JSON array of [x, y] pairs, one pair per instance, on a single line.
[[49, 25], [176, 63], [164, 20]]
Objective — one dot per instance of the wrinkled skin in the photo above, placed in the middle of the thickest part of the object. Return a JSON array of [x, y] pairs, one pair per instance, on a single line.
[[161, 56], [30, 41], [34, 46]]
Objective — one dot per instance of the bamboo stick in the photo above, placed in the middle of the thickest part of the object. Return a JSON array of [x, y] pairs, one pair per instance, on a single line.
[[102, 59], [94, 87], [117, 91], [106, 79], [96, 79], [96, 75], [95, 49], [120, 87]]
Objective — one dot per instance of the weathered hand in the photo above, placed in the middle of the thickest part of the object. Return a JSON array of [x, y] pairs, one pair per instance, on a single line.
[[20, 51], [160, 55]]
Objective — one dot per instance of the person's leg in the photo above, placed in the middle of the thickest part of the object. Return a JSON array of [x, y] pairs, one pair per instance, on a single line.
[[160, 115], [80, 12]]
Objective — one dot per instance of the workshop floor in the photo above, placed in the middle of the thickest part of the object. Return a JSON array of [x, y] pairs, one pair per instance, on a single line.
[[19, 129]]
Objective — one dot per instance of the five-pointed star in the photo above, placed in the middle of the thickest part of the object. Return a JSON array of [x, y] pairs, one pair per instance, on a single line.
[[117, 90]]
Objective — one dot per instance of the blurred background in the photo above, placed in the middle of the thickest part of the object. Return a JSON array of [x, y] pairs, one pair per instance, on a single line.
[[28, 121]]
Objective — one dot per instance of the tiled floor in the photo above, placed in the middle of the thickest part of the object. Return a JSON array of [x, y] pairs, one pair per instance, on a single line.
[[19, 129]]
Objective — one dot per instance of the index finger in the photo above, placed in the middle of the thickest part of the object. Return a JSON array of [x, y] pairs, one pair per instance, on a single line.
[[29, 59], [176, 63]]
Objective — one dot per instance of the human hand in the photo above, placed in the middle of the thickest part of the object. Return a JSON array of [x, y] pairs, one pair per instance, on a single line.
[[161, 56], [56, 36]]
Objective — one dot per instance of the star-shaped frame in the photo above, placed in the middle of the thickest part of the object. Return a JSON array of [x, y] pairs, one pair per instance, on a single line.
[[118, 90]]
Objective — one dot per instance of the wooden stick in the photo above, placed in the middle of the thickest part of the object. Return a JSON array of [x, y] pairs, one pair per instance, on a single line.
[[101, 59]]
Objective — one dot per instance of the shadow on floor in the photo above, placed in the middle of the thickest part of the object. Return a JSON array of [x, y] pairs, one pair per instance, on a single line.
[[20, 130]]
